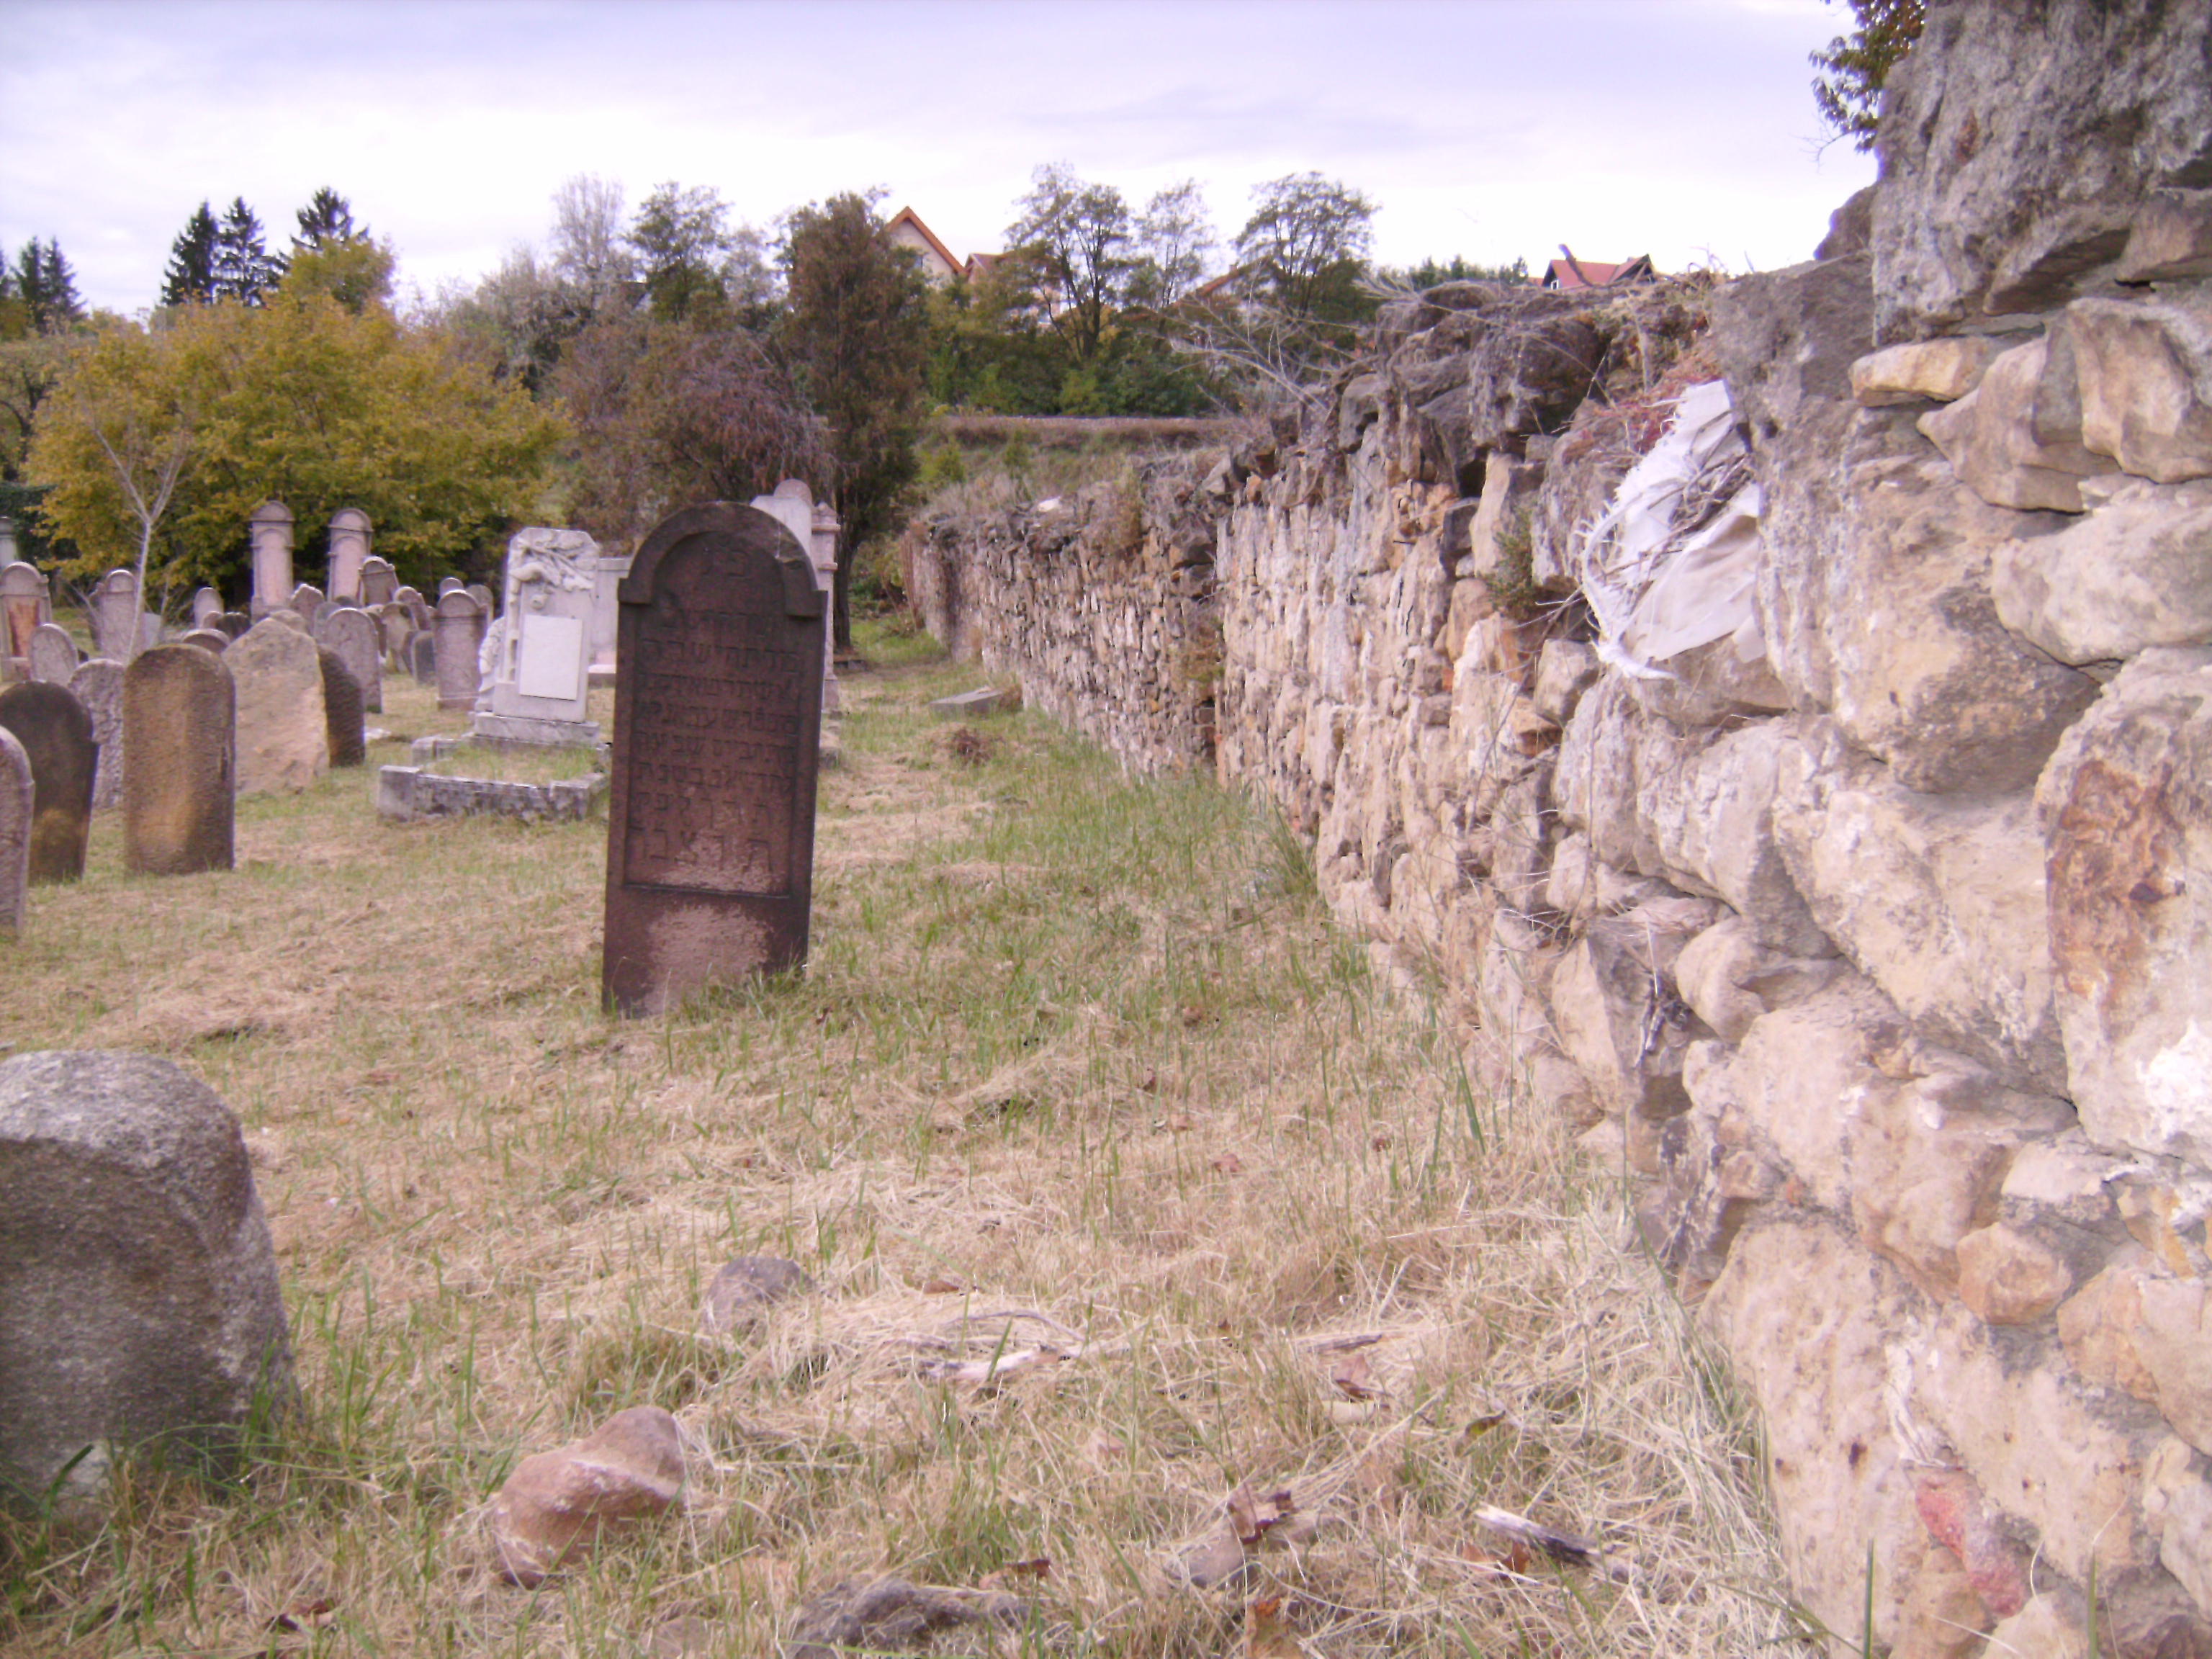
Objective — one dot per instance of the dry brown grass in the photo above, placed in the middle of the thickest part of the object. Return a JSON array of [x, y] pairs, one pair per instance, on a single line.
[[1124, 1184]]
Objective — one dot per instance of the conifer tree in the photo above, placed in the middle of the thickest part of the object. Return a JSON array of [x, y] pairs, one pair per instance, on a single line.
[[42, 280], [190, 278], [245, 270], [326, 221]]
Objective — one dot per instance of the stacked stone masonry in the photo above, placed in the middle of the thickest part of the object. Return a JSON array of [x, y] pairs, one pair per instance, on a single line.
[[1880, 950]]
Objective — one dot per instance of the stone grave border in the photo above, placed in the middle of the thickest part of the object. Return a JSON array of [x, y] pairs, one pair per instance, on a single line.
[[413, 794]]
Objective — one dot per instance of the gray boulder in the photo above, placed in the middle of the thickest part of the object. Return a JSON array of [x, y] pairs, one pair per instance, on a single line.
[[138, 1297], [2018, 144]]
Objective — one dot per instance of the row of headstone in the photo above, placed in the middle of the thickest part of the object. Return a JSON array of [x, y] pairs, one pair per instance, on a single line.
[[355, 573]]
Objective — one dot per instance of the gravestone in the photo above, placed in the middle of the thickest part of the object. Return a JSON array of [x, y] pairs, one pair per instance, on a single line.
[[541, 646], [823, 546], [98, 685], [139, 1294], [342, 714], [394, 623], [450, 585], [208, 639], [180, 719], [349, 553], [354, 634], [718, 712], [379, 582], [793, 506], [288, 617], [460, 632], [57, 734], [207, 604], [417, 606], [323, 613], [483, 596], [305, 597], [25, 605], [283, 740], [419, 656], [16, 798], [53, 656], [270, 530], [233, 624], [608, 571], [115, 616]]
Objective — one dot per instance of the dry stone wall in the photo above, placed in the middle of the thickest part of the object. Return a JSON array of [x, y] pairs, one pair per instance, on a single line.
[[1872, 927]]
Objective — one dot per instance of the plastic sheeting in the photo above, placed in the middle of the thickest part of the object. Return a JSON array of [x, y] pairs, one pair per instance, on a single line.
[[1671, 562]]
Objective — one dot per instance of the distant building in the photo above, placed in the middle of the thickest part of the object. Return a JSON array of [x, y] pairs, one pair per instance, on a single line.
[[1571, 273], [906, 229]]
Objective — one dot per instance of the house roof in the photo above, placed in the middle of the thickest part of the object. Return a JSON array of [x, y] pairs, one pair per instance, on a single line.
[[1571, 273], [907, 217]]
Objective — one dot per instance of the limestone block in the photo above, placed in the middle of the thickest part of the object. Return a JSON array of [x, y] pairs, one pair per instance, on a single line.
[[1807, 1317], [2135, 573], [1989, 438], [2065, 1176], [1614, 1008], [1933, 371], [1729, 979], [1786, 338], [1711, 820], [2145, 384], [1565, 669], [2009, 1277], [2171, 237], [1941, 1617], [557, 1504], [1876, 603], [2129, 876], [1939, 901], [139, 1293], [1509, 496], [1582, 887], [2036, 1441], [2017, 146], [1712, 684], [283, 739], [2178, 1508], [2046, 1628]]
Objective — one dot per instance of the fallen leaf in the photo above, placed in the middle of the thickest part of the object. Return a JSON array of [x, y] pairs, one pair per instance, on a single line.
[[1251, 1515], [1038, 1567], [1267, 1634], [942, 1287], [1150, 1081], [1180, 1123], [304, 1615], [1352, 1378], [1229, 1164]]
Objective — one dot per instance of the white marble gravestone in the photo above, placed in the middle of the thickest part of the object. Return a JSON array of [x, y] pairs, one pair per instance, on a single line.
[[606, 614], [539, 651], [117, 627], [349, 552], [814, 529], [270, 530]]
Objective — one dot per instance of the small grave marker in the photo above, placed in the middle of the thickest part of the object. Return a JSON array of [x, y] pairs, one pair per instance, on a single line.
[[98, 685], [460, 633], [283, 740], [378, 580], [115, 616], [710, 857], [17, 796], [25, 604], [349, 553], [52, 655], [358, 642], [270, 530], [56, 733]]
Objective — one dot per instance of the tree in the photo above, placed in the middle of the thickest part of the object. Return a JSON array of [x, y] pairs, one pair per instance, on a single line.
[[245, 270], [190, 278], [856, 328], [357, 273], [685, 247], [326, 222], [1176, 233], [667, 414], [298, 400], [1458, 269], [588, 253], [39, 291], [1074, 244], [1305, 246], [1847, 89]]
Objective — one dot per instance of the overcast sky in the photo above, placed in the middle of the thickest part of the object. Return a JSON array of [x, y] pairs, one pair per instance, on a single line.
[[1684, 129]]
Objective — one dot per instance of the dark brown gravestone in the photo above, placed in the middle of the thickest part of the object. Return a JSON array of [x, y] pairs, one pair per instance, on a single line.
[[342, 712], [180, 724], [56, 733], [718, 723]]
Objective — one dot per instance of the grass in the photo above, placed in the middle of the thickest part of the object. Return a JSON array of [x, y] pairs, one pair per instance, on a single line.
[[1077, 1061]]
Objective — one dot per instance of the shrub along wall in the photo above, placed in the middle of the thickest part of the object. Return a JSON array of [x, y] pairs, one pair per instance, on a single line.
[[1873, 932]]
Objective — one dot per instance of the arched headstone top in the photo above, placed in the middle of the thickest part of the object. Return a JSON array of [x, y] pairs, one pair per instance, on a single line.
[[351, 519], [458, 602], [271, 512], [750, 527]]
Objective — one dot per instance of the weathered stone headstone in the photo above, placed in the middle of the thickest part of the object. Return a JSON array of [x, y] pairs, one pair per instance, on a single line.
[[710, 856], [180, 719], [305, 597], [25, 604], [814, 529], [342, 712], [138, 1292], [460, 634], [52, 654], [354, 634], [57, 734], [349, 553], [270, 530], [233, 624], [450, 585], [208, 639], [419, 657], [292, 619], [207, 606], [483, 596], [541, 646], [115, 614], [283, 742], [379, 582], [17, 796], [323, 613], [608, 570], [393, 624], [98, 685]]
